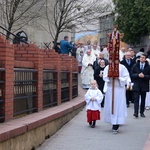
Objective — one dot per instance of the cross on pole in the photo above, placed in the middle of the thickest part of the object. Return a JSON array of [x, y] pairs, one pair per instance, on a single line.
[[113, 70]]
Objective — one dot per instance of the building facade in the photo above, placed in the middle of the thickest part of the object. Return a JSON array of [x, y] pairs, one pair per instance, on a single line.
[[106, 27]]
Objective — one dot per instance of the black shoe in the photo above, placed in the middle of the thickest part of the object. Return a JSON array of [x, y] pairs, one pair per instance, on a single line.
[[90, 123], [115, 131], [94, 123], [128, 105], [142, 115], [135, 115], [92, 126]]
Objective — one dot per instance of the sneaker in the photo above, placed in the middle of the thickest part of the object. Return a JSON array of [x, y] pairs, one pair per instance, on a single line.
[[147, 108], [115, 131]]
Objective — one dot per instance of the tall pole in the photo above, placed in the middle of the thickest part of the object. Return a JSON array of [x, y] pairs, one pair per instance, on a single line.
[[113, 71]]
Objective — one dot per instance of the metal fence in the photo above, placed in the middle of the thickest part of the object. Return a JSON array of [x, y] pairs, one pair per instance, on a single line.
[[2, 75], [74, 84], [25, 81], [64, 86], [49, 88]]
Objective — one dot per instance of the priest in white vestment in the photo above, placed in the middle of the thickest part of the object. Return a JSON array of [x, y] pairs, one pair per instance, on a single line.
[[120, 108], [87, 72], [95, 51], [122, 52]]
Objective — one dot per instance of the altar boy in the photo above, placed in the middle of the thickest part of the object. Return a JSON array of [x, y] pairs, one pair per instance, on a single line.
[[93, 99]]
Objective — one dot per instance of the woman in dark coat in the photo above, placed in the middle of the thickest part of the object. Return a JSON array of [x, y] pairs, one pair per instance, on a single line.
[[98, 76]]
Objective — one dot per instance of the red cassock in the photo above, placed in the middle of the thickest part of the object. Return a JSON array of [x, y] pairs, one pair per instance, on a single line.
[[93, 115]]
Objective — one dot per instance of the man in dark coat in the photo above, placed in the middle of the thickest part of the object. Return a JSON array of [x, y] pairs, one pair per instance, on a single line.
[[140, 74], [128, 63]]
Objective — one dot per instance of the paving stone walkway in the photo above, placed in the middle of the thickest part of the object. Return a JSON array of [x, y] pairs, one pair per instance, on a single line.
[[77, 135]]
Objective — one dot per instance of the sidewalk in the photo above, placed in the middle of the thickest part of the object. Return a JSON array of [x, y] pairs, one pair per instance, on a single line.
[[77, 135]]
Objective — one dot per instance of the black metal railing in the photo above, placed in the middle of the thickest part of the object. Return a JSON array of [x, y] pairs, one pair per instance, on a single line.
[[65, 86], [74, 84], [12, 36], [2, 76], [49, 88], [25, 91]]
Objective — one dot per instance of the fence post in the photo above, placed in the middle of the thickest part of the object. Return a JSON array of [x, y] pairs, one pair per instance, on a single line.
[[70, 79], [59, 81], [39, 67], [7, 58]]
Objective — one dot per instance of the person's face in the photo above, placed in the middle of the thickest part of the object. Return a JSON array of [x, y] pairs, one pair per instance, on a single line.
[[93, 85], [115, 29], [94, 47], [132, 53], [128, 56], [123, 49], [142, 59], [129, 49], [101, 55], [81, 54], [88, 52], [102, 63]]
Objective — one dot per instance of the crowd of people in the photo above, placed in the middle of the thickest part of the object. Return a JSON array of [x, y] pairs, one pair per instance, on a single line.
[[114, 94], [132, 85]]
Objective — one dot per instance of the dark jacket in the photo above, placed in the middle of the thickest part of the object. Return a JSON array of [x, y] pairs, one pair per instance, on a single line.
[[99, 79], [140, 83], [124, 62]]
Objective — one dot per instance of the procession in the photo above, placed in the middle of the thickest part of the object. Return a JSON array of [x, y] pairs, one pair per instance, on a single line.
[[122, 81], [114, 78], [75, 75]]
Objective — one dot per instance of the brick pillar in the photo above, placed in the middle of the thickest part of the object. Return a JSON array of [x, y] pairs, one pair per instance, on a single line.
[[7, 58], [39, 66]]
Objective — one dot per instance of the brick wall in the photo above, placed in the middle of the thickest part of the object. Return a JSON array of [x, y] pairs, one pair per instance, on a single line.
[[29, 56]]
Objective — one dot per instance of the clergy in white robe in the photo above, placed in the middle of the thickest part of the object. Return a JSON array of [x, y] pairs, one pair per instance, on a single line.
[[93, 98], [87, 72], [122, 53], [120, 108], [79, 49], [147, 101], [95, 51]]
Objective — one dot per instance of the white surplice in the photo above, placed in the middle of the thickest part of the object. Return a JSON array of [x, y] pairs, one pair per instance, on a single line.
[[147, 99], [87, 71], [120, 108], [96, 52], [96, 104]]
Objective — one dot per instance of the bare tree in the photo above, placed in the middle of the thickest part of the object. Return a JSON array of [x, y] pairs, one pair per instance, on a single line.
[[61, 15], [15, 14]]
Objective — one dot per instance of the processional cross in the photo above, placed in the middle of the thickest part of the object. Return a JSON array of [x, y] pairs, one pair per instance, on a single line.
[[113, 70]]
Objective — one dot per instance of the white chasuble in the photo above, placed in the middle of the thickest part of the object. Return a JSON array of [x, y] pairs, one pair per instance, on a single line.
[[87, 72]]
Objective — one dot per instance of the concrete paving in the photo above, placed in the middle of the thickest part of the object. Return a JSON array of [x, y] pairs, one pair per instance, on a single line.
[[77, 135]]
